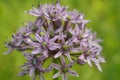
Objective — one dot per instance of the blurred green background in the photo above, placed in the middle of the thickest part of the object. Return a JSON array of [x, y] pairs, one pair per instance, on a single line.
[[105, 20]]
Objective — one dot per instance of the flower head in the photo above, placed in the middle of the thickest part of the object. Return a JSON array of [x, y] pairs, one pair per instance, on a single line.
[[56, 34]]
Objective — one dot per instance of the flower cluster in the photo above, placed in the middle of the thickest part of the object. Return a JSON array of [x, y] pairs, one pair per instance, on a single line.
[[59, 34]]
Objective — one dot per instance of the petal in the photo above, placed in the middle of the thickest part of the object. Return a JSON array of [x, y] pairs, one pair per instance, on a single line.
[[36, 51], [62, 37], [59, 30], [48, 69], [53, 39], [89, 62], [75, 40], [72, 32], [34, 12], [81, 61], [56, 66], [58, 54], [19, 42], [57, 45], [101, 59], [77, 30], [75, 49], [27, 55], [40, 67], [46, 37], [27, 34], [98, 66], [45, 52], [62, 60], [52, 47], [41, 77], [35, 44], [57, 74], [97, 63], [64, 76], [26, 65], [38, 38], [31, 71], [34, 77], [69, 57], [46, 14], [9, 51], [84, 22], [25, 47], [73, 73], [23, 72], [41, 58]]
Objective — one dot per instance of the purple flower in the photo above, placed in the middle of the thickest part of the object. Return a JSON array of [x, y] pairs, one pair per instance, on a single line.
[[33, 66], [66, 48], [50, 12], [44, 44], [17, 42], [63, 69]]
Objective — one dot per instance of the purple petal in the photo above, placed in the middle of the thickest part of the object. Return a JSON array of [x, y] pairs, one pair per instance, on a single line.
[[25, 47], [46, 37], [34, 12], [40, 67], [31, 71], [36, 51], [75, 40], [89, 62], [77, 30], [53, 39], [73, 73], [61, 37], [23, 72], [56, 45], [19, 42], [62, 60], [27, 34], [64, 76], [97, 63], [41, 58], [9, 51], [52, 47], [26, 65], [41, 77], [75, 49], [28, 56], [99, 67], [81, 62], [46, 14], [69, 42], [56, 66], [81, 59], [69, 57], [59, 30], [57, 74], [58, 54], [84, 22], [34, 77], [101, 59], [34, 44], [45, 52], [38, 38], [48, 69], [72, 32]]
